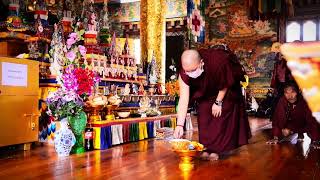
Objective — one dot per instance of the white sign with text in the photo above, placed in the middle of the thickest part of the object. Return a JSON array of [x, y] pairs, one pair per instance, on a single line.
[[14, 74]]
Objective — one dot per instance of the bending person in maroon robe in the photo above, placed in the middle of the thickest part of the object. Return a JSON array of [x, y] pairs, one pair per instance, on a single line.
[[208, 78], [292, 115]]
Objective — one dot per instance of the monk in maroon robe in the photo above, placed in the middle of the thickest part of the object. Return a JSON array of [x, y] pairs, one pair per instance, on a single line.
[[208, 77], [280, 76], [292, 115]]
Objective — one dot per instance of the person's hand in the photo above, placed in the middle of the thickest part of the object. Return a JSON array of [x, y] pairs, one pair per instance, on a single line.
[[216, 110], [286, 132], [178, 132], [273, 141]]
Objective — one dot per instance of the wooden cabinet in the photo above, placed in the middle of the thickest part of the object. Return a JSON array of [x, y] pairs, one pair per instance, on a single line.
[[19, 84]]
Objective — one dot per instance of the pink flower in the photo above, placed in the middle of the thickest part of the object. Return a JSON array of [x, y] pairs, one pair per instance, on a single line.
[[73, 36], [70, 42], [71, 56], [82, 50]]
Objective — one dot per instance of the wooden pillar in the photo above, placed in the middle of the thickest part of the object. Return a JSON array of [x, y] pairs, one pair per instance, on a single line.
[[152, 33]]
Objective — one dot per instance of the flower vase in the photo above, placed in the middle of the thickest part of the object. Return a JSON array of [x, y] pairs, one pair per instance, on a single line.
[[64, 139], [78, 125]]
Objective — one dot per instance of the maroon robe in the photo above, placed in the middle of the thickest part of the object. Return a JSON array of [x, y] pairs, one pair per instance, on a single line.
[[231, 129], [297, 117], [281, 74]]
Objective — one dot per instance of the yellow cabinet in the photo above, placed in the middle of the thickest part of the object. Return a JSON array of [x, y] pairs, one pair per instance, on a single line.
[[19, 84]]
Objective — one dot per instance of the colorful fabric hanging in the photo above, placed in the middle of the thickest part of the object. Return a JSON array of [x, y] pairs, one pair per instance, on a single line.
[[105, 137], [134, 132], [126, 132], [117, 134], [143, 133], [157, 125], [97, 138], [150, 129]]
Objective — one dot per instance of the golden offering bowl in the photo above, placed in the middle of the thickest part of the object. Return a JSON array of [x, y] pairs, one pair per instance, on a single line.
[[181, 147], [110, 112], [93, 112], [180, 144]]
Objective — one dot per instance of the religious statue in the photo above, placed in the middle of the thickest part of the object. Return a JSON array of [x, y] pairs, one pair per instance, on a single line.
[[105, 16], [56, 52], [141, 90], [126, 49], [126, 90], [145, 104], [153, 71], [134, 89], [92, 24]]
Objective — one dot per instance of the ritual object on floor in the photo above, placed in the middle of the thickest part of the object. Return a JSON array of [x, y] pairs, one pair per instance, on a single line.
[[187, 151], [304, 63]]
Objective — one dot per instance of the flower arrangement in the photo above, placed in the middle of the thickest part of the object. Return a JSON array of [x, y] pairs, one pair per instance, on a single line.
[[172, 86], [76, 81], [63, 103]]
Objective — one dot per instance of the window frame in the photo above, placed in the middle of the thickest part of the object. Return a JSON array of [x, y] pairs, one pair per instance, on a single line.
[[301, 21]]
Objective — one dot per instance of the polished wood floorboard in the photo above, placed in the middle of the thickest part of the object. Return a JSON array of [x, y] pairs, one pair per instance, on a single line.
[[153, 159]]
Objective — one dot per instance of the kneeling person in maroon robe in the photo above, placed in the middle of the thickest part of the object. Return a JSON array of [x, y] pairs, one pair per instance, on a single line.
[[292, 115], [209, 77]]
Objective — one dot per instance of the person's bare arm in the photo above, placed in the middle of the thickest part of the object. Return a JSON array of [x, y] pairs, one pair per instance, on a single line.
[[183, 102]]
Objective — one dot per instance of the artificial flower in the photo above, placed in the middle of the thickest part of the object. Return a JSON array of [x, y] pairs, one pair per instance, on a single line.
[[71, 56], [70, 42], [82, 50]]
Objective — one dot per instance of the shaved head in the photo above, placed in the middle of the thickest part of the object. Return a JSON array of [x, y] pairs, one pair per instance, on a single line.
[[190, 59]]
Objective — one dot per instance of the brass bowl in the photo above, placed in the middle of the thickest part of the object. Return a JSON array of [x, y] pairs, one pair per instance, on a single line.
[[188, 153], [124, 114], [94, 112], [180, 144]]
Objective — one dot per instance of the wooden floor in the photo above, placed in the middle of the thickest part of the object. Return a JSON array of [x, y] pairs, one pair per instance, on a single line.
[[153, 159]]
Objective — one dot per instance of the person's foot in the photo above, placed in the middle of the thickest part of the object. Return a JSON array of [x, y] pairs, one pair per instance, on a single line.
[[213, 157], [300, 137], [315, 144], [204, 156]]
